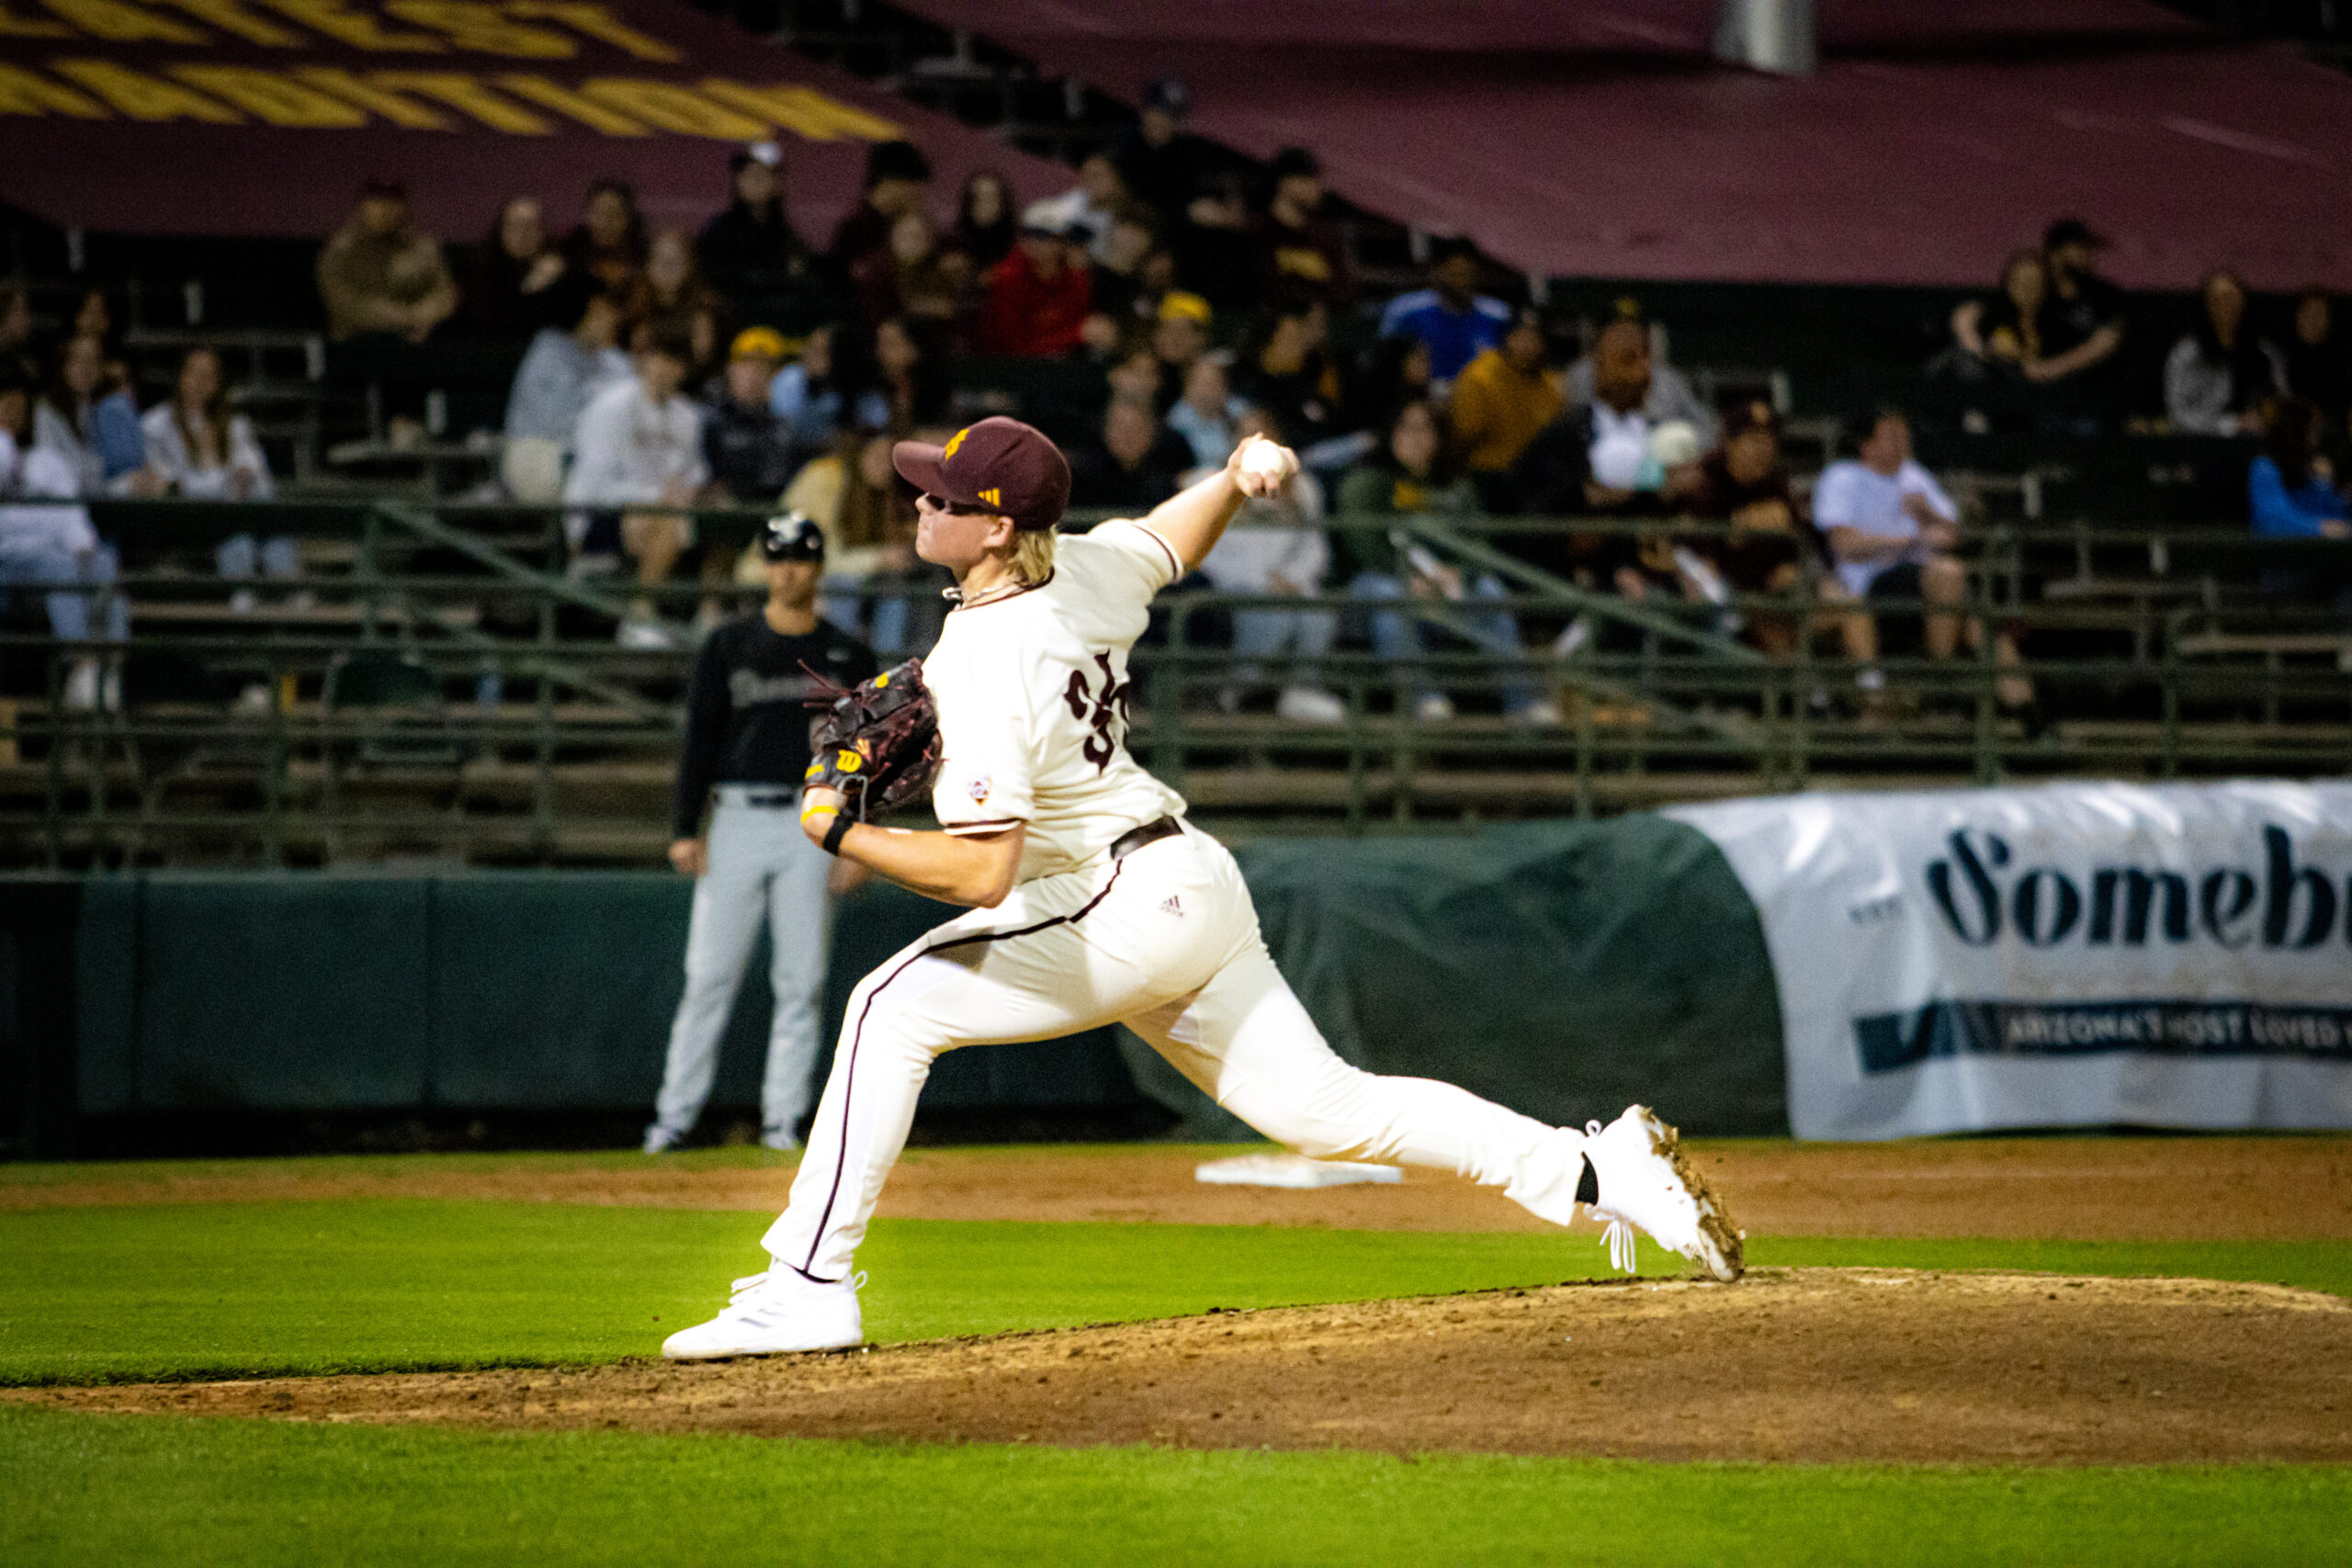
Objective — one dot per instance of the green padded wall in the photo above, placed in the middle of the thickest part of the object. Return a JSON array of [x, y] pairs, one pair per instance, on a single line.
[[1563, 969]]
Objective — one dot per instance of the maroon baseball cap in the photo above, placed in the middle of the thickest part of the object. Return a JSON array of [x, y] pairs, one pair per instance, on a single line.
[[1007, 466]]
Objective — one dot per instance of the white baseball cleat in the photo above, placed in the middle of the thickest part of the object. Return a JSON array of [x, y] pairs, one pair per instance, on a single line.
[[775, 1313], [1644, 1182]]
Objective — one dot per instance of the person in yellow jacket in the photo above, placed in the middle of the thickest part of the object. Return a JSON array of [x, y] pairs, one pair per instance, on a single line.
[[1502, 398]]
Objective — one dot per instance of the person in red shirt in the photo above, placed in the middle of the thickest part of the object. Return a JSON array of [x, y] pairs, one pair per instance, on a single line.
[[1040, 295]]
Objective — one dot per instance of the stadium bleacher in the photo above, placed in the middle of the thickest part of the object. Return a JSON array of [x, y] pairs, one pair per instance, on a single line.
[[438, 684]]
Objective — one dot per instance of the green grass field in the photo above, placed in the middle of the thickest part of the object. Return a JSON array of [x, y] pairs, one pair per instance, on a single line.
[[151, 1291]]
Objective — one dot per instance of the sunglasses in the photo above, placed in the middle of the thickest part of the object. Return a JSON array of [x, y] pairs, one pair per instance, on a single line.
[[957, 508]]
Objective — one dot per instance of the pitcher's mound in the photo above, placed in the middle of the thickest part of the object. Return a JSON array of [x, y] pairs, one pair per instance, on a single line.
[[1791, 1364]]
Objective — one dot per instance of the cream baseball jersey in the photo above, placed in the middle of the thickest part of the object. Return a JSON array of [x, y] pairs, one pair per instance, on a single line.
[[1031, 692]]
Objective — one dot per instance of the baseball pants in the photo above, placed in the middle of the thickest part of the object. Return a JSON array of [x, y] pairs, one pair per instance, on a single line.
[[1165, 941], [762, 869]]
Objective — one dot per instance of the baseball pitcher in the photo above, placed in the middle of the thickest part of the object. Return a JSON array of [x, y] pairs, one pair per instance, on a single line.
[[1091, 900], [747, 733]]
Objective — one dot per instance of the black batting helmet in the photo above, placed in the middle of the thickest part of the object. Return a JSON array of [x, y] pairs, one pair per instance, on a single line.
[[792, 537]]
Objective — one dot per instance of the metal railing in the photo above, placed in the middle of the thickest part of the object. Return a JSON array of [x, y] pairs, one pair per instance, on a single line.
[[454, 711]]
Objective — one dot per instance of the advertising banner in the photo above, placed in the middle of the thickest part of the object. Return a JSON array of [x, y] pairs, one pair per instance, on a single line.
[[2075, 955]]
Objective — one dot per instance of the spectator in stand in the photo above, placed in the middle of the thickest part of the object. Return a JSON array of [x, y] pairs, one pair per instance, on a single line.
[[1892, 531], [1500, 399], [1180, 336], [2217, 377], [897, 181], [1289, 376], [1119, 286], [1457, 321], [1396, 372], [1276, 549], [2082, 320], [1038, 297], [608, 246], [1408, 476], [911, 275], [746, 445], [380, 275], [2004, 332], [18, 353], [1622, 372], [1626, 446], [750, 251], [2291, 493], [53, 546], [2291, 489], [1744, 482], [823, 395], [1086, 210], [198, 450], [1133, 373], [1301, 252], [1132, 465], [670, 293], [562, 372], [1215, 245], [986, 227], [639, 444], [90, 423], [507, 296], [1165, 167], [1208, 416], [94, 317], [911, 374], [2318, 363]]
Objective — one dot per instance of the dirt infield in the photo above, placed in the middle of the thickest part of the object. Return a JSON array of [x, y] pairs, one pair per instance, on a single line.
[[2153, 1189], [1792, 1365]]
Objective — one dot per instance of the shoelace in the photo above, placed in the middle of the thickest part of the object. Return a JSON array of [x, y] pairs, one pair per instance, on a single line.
[[1620, 1231]]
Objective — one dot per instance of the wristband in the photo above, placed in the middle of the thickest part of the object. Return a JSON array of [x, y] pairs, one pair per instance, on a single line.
[[836, 833]]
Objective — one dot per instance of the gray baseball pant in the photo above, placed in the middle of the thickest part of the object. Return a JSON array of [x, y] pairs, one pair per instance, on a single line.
[[762, 868]]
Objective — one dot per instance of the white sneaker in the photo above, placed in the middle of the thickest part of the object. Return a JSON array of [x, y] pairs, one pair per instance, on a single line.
[[775, 1313], [1433, 707], [1644, 1182], [780, 1139], [1305, 705], [661, 1140]]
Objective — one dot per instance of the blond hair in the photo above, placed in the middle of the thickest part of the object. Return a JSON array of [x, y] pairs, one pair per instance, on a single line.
[[1032, 555]]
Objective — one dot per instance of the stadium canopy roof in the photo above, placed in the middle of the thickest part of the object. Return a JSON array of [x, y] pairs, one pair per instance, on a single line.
[[261, 116], [1598, 138]]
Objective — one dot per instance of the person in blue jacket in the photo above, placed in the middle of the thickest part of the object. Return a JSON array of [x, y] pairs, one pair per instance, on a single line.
[[2292, 494], [2289, 490]]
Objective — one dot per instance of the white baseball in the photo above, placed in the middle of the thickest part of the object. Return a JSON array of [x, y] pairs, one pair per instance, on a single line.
[[1267, 461]]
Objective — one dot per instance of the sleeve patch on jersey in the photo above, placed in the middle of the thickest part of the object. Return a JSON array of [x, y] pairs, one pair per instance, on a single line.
[[977, 787]]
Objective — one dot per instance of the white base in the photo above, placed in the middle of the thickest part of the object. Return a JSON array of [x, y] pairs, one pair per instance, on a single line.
[[1293, 1171]]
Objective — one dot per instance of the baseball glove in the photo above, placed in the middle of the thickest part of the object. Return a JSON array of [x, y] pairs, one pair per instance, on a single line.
[[877, 742]]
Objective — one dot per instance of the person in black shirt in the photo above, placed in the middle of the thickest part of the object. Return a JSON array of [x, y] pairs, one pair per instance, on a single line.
[[1132, 465], [745, 442], [2082, 314], [747, 737], [750, 251]]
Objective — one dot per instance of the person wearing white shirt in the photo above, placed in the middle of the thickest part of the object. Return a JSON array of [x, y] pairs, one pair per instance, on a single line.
[[198, 450], [1279, 548], [1892, 531], [639, 444], [47, 543]]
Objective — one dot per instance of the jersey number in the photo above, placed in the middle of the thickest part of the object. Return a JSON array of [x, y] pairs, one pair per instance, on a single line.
[[1105, 713]]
